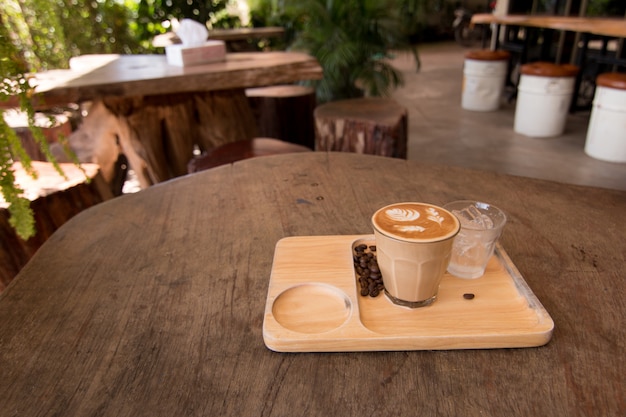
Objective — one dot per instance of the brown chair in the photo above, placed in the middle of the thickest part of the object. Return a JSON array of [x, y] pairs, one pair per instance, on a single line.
[[236, 151]]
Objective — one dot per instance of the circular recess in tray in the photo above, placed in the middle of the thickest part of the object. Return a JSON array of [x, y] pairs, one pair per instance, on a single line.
[[311, 308]]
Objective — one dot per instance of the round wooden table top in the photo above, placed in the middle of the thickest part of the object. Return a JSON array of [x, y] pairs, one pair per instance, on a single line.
[[152, 304]]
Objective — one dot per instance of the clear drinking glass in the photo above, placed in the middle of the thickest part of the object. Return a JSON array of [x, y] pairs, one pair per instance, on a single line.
[[481, 227]]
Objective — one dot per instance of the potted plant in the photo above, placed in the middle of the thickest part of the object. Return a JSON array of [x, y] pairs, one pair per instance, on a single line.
[[351, 39]]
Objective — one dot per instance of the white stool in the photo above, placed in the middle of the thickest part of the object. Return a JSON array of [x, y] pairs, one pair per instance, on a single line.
[[543, 100], [484, 74], [606, 136]]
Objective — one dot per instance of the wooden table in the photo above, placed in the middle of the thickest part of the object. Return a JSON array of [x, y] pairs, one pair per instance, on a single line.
[[54, 199], [163, 111], [614, 27], [152, 304], [585, 27], [236, 39]]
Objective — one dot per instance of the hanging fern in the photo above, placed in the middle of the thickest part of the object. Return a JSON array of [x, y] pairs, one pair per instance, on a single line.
[[14, 83], [21, 214]]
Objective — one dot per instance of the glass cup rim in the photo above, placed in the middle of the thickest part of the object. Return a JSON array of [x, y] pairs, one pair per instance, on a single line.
[[481, 205]]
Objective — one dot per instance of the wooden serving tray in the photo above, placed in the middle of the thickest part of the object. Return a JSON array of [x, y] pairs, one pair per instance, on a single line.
[[314, 305]]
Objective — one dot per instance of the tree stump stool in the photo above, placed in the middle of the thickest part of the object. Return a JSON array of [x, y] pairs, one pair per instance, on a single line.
[[284, 112], [243, 149], [375, 126], [54, 200]]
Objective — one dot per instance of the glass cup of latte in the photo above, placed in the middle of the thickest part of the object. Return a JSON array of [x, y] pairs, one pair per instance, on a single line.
[[413, 247]]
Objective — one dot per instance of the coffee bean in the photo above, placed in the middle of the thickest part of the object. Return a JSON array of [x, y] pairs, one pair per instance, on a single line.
[[468, 296], [367, 270]]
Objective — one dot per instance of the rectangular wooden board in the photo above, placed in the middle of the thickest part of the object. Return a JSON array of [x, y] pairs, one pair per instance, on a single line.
[[314, 305]]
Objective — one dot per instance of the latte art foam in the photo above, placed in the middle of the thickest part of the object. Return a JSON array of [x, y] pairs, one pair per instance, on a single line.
[[416, 221], [402, 215]]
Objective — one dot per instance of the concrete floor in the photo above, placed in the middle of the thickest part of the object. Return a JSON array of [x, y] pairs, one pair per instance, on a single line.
[[441, 132]]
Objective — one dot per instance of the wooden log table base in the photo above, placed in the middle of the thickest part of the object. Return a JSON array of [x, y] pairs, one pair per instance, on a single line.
[[54, 200], [376, 126], [158, 133]]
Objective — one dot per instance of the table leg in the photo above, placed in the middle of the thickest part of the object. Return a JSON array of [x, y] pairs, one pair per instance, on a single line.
[[158, 133], [581, 61], [495, 35], [224, 117]]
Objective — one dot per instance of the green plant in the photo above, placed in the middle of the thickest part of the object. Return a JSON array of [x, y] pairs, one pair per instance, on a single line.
[[49, 32], [352, 40], [151, 15], [37, 35], [606, 8], [14, 83]]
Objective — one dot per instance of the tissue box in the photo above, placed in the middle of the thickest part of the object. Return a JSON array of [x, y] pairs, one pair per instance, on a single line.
[[181, 55]]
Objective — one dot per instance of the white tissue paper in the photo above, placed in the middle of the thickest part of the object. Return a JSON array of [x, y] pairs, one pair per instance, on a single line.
[[195, 49]]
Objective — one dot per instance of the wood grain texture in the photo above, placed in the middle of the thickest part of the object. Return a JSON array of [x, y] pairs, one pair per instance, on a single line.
[[158, 133], [54, 200], [375, 126], [152, 304]]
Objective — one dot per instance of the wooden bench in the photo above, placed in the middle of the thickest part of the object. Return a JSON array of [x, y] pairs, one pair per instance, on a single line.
[[54, 200], [376, 126]]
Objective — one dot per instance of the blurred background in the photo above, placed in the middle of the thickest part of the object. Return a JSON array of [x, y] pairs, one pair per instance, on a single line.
[[47, 33]]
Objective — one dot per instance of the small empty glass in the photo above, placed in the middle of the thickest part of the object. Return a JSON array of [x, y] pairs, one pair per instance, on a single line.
[[481, 226]]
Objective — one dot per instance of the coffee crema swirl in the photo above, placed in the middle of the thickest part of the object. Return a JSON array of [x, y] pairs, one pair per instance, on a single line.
[[415, 221]]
